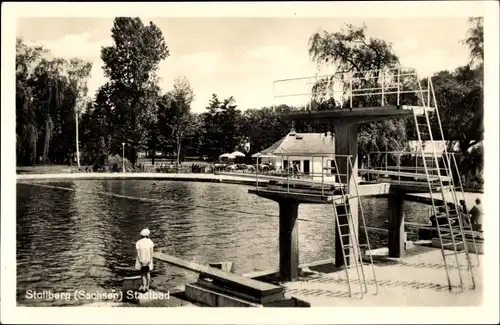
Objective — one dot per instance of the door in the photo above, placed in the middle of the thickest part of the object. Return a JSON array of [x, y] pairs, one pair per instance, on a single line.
[[306, 167]]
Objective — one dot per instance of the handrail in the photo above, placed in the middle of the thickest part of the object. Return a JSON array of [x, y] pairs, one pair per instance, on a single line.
[[348, 84]]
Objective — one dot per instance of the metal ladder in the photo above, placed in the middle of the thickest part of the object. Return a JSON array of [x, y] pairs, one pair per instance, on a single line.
[[469, 225], [352, 233], [455, 235], [451, 161]]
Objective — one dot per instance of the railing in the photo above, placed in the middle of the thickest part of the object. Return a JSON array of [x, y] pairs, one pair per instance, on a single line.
[[393, 86], [403, 166], [321, 173]]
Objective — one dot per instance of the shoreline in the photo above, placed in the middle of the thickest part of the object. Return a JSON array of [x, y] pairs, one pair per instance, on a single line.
[[370, 190], [185, 177]]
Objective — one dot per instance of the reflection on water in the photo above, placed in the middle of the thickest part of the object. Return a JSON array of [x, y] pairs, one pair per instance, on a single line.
[[81, 239]]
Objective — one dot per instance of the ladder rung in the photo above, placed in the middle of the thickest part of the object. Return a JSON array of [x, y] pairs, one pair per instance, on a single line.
[[345, 235], [343, 225], [347, 246], [451, 243]]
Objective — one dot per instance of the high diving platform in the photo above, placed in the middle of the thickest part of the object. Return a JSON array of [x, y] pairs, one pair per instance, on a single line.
[[358, 114], [344, 100]]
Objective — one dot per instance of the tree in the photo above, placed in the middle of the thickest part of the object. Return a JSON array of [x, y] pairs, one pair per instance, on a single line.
[[475, 40], [351, 50], [47, 90], [356, 55], [176, 116], [263, 127], [212, 131], [222, 126], [130, 64]]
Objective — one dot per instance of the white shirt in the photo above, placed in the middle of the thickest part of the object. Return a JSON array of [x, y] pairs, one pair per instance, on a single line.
[[144, 247]]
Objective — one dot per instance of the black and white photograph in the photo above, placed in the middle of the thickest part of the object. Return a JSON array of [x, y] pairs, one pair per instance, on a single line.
[[236, 155]]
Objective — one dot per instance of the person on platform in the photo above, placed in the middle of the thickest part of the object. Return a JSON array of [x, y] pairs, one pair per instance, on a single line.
[[464, 213], [440, 217], [144, 260], [476, 214]]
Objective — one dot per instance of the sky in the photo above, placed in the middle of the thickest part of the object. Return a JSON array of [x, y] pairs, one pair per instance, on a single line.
[[242, 57]]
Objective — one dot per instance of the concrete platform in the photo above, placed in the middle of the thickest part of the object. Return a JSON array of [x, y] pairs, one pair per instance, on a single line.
[[355, 114], [425, 197], [416, 280]]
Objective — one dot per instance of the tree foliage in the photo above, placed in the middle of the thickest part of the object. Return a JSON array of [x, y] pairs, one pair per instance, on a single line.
[[357, 57], [132, 91], [475, 40], [47, 92], [176, 122]]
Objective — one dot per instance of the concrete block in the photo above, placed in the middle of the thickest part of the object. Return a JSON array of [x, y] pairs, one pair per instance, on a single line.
[[131, 283], [194, 292], [409, 245], [224, 266], [239, 293], [290, 302]]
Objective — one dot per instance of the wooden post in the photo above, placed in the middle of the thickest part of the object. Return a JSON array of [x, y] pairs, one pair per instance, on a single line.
[[346, 143], [288, 240], [396, 223]]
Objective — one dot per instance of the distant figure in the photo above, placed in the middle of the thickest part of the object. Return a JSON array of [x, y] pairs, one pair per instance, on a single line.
[[464, 213], [476, 214], [440, 217], [144, 261], [296, 170]]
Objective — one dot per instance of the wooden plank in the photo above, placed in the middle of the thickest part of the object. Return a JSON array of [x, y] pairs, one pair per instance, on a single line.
[[234, 280]]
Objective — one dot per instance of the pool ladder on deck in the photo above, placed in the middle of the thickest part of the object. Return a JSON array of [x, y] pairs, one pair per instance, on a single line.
[[352, 246], [455, 235]]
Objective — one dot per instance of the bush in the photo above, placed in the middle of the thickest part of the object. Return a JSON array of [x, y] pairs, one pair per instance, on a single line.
[[471, 167], [114, 164]]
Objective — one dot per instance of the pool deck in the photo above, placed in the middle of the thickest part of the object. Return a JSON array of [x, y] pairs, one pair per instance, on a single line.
[[186, 177], [414, 281]]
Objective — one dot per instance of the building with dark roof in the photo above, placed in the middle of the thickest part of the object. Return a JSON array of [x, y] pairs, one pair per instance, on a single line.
[[310, 152]]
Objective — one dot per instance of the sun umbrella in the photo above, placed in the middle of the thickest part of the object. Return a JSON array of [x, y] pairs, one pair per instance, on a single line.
[[263, 155], [227, 155], [238, 154]]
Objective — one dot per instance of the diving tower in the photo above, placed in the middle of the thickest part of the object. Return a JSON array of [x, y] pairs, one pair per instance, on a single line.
[[342, 101]]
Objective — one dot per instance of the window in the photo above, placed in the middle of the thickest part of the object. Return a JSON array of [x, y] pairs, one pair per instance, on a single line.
[[306, 167]]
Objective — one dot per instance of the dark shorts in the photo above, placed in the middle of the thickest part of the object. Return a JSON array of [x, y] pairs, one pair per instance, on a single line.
[[145, 269]]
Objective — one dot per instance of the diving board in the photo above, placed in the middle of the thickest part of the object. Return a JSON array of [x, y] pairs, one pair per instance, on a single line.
[[250, 287]]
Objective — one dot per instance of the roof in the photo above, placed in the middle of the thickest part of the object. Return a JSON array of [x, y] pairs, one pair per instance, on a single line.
[[303, 144]]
